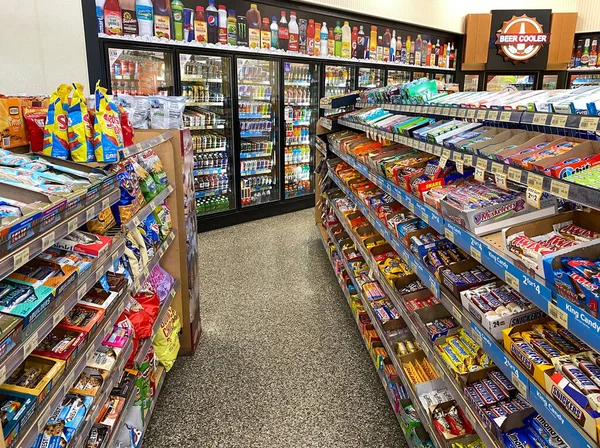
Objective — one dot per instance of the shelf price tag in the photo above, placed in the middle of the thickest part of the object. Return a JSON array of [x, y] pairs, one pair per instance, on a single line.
[[512, 281], [492, 115], [58, 315], [533, 197], [449, 234], [443, 161], [425, 218], [504, 116], [558, 315], [558, 121], [481, 162], [437, 110], [31, 343], [535, 180], [89, 214], [501, 180], [446, 153], [105, 203], [468, 160], [497, 168], [539, 119], [479, 174], [446, 111], [460, 167], [514, 378], [48, 240], [3, 374], [21, 257], [560, 189], [481, 114], [514, 174], [72, 225], [475, 253], [470, 113], [462, 113], [588, 123], [476, 337]]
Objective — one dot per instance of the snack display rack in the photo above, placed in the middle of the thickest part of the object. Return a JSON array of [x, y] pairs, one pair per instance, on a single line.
[[486, 250]]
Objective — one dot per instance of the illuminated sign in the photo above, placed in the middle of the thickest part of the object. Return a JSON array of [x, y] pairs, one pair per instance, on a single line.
[[520, 38]]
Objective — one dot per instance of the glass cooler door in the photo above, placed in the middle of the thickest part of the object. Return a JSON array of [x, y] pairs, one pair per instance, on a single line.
[[206, 86], [137, 72], [397, 77], [339, 79], [497, 82], [370, 78], [301, 111], [258, 106]]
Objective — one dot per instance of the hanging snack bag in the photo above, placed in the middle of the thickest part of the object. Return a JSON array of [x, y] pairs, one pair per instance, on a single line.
[[166, 341], [161, 281], [134, 257], [151, 230], [137, 237], [35, 120], [138, 109], [108, 136], [147, 242], [162, 214], [81, 145], [56, 135], [126, 127], [101, 223], [152, 163], [129, 203], [147, 184]]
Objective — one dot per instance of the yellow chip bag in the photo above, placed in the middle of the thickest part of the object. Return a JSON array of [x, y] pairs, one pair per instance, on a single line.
[[56, 136], [108, 136], [81, 145], [166, 341]]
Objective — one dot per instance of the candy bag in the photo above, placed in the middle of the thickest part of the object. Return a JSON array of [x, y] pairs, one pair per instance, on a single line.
[[108, 135], [161, 281], [166, 341], [81, 145], [152, 163], [35, 120], [56, 135]]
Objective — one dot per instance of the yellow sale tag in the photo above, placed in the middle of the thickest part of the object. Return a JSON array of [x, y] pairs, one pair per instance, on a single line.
[[462, 113], [449, 234], [501, 180], [497, 167], [479, 174], [533, 196], [482, 163]]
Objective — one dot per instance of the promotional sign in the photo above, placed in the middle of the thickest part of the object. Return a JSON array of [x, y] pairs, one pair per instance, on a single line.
[[521, 38]]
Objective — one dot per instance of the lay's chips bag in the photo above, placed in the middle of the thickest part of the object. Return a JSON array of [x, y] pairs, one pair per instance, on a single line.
[[56, 136], [108, 136], [81, 144]]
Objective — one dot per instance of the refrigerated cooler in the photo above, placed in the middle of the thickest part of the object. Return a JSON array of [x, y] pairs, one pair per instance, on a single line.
[[498, 82], [584, 79], [301, 100], [258, 95], [370, 78], [397, 77], [339, 79], [140, 72], [206, 86]]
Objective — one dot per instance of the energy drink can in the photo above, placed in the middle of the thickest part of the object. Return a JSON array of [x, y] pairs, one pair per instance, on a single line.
[[242, 34], [188, 25], [302, 25]]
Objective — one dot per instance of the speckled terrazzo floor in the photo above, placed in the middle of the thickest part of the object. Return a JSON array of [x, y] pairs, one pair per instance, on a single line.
[[281, 362]]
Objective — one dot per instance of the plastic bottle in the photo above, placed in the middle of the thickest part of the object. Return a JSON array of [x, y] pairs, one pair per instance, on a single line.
[[310, 38], [324, 40], [373, 43], [162, 18], [231, 28], [317, 51], [585, 56], [113, 22], [408, 45], [360, 43], [283, 32], [392, 56], [222, 14], [337, 38], [418, 44], [432, 60], [100, 16], [177, 11], [294, 33], [346, 40], [200, 27], [379, 48], [145, 17], [387, 43], [593, 54], [265, 34], [212, 22], [399, 50], [254, 25], [424, 57], [428, 53], [331, 43], [302, 26], [353, 42], [437, 53], [274, 33], [130, 24]]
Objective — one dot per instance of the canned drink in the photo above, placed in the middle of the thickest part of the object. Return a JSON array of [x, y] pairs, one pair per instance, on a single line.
[[188, 25], [242, 34]]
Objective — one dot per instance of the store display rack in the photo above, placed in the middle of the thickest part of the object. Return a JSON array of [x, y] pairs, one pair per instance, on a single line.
[[503, 268], [147, 209]]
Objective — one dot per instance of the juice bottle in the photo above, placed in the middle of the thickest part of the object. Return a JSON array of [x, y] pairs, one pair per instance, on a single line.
[[265, 34], [593, 53], [360, 43], [317, 39], [418, 47], [100, 16], [222, 14], [200, 27], [424, 57], [231, 28], [274, 33], [387, 38], [294, 33], [373, 43], [337, 36], [428, 53], [380, 48], [212, 22], [408, 45], [177, 10], [283, 33], [331, 43], [162, 18], [254, 22], [346, 41], [310, 37], [130, 24], [324, 50], [145, 17], [392, 56], [432, 60], [113, 22], [399, 50], [354, 41]]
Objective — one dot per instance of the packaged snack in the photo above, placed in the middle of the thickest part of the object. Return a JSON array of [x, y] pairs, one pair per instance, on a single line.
[[142, 321], [110, 411], [161, 281], [152, 163], [166, 341], [85, 243], [81, 146], [133, 256], [101, 223], [148, 186], [126, 127], [131, 199], [162, 214], [89, 382], [12, 130], [56, 136], [166, 112], [64, 422], [137, 108], [98, 436], [35, 120], [108, 136]]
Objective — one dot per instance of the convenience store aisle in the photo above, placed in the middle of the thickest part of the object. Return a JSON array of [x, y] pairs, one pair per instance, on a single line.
[[281, 362]]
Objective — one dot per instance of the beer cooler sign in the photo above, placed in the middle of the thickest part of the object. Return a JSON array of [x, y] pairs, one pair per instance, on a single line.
[[521, 38]]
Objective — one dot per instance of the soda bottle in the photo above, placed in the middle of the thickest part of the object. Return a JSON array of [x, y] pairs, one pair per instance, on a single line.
[[360, 43], [231, 28], [585, 56], [293, 43], [353, 42], [265, 34], [380, 48], [200, 27], [324, 50], [310, 37], [222, 13], [437, 53], [242, 31], [337, 36], [331, 43], [346, 41], [254, 24], [373, 43], [302, 26], [274, 33], [428, 53], [162, 18], [212, 22], [317, 49], [432, 60], [593, 54], [410, 51], [283, 32], [145, 16], [392, 56], [113, 21], [130, 24], [177, 11]]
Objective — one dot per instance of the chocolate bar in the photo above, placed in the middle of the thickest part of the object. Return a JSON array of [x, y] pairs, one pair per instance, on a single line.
[[502, 382], [474, 397], [494, 390], [484, 393]]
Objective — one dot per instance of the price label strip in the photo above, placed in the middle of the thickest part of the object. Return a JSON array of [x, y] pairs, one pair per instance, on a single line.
[[468, 160], [589, 123], [558, 315], [560, 189], [514, 175], [539, 119], [475, 253], [443, 162], [535, 180], [558, 121], [460, 166], [512, 281]]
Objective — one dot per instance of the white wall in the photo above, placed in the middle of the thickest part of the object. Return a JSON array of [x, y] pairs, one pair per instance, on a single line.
[[42, 45]]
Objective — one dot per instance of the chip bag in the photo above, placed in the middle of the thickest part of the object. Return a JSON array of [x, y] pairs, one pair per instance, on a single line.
[[56, 135], [108, 136], [126, 127], [166, 341], [101, 223], [35, 120], [152, 163], [81, 144]]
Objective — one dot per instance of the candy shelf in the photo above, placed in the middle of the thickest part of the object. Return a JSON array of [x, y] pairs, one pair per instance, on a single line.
[[121, 418], [141, 279], [147, 209], [31, 249], [137, 148], [164, 307], [60, 388]]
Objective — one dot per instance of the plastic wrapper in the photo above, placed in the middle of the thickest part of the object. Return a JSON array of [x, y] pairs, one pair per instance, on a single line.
[[56, 136], [108, 135], [166, 112], [147, 183], [81, 145], [137, 108], [139, 240], [126, 127], [101, 223], [35, 120], [131, 199], [161, 281], [166, 341], [162, 214], [152, 163], [133, 256], [151, 231]]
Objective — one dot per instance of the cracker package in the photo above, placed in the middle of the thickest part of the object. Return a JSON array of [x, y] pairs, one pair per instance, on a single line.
[[108, 136], [81, 145], [12, 128], [56, 135]]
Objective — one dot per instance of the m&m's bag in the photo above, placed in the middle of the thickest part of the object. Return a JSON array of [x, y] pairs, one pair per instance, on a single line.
[[108, 137], [81, 144], [56, 136]]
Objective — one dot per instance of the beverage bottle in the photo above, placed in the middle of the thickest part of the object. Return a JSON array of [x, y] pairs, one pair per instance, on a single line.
[[577, 54], [424, 57], [585, 56], [100, 16], [242, 31], [572, 62], [360, 43], [113, 21], [317, 50], [387, 37], [294, 33], [222, 16], [283, 32], [274, 33], [302, 26], [453, 56], [200, 27], [442, 60], [346, 41], [593, 53], [418, 44], [324, 40], [331, 43], [212, 22], [399, 50], [337, 36], [128, 18], [447, 53], [310, 38], [145, 17], [231, 28], [437, 53], [428, 53], [254, 23], [367, 47], [432, 60], [380, 48], [373, 43], [265, 34], [177, 17], [162, 18], [353, 42], [392, 56], [409, 45]]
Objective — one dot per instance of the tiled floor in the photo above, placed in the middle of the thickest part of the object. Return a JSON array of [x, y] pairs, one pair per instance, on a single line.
[[281, 362]]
